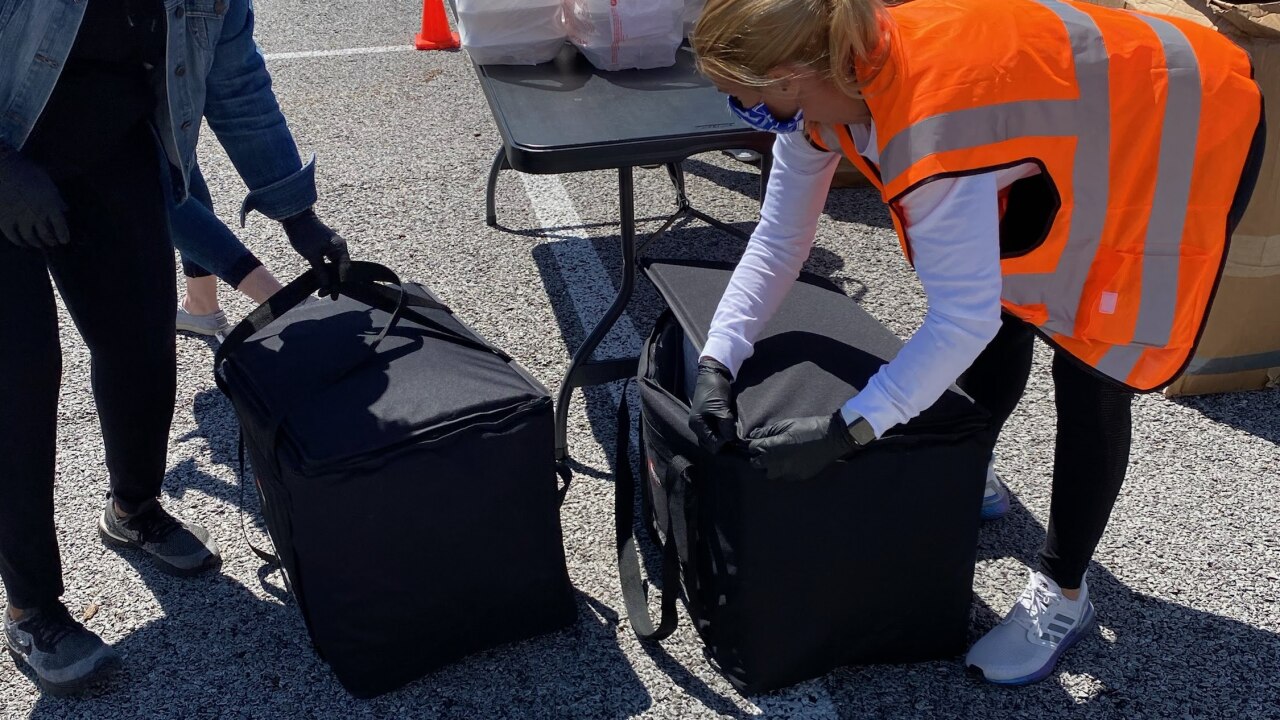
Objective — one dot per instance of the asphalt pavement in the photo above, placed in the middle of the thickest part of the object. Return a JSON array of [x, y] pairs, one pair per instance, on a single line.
[[1185, 581]]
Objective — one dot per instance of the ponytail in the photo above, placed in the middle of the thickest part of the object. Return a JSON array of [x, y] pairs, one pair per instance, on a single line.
[[741, 41], [859, 43]]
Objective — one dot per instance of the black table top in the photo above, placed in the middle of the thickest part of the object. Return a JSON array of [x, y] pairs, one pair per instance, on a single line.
[[567, 116]]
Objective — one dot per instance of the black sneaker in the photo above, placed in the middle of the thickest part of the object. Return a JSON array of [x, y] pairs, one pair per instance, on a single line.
[[178, 548], [65, 656]]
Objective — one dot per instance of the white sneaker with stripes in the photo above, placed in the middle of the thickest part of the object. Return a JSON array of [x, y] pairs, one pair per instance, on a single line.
[[1025, 647]]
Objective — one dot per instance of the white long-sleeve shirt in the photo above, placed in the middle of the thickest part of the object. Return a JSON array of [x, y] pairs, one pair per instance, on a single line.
[[953, 226]]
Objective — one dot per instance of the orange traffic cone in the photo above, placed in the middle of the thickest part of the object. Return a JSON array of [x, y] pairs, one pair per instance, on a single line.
[[435, 34]]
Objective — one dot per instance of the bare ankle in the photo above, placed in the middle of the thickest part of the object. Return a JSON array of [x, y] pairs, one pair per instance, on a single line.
[[201, 297], [259, 285], [16, 613]]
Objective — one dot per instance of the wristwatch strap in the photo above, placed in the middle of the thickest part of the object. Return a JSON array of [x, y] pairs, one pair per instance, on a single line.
[[862, 432]]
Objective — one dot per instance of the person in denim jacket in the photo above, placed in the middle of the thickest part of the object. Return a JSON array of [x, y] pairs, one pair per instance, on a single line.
[[243, 113], [100, 105]]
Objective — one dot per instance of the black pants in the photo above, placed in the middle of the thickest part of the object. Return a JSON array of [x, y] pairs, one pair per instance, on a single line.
[[1092, 450], [117, 280]]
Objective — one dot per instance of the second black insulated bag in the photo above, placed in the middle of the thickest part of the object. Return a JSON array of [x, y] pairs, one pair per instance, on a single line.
[[869, 562]]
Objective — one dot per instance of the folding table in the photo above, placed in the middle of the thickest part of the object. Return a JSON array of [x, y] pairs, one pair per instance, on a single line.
[[566, 116]]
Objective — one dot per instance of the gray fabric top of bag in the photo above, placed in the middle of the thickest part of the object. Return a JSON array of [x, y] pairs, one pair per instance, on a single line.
[[816, 352]]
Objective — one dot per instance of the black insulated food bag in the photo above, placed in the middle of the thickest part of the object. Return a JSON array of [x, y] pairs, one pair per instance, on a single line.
[[870, 562], [407, 476]]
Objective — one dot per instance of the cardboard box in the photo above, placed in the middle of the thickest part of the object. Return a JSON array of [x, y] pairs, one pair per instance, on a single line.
[[1240, 348]]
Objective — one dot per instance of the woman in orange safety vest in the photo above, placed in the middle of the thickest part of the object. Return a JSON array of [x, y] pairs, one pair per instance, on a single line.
[[1052, 168]]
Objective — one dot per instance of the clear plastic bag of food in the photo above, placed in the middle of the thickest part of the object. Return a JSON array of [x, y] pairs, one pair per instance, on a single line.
[[626, 34], [511, 32]]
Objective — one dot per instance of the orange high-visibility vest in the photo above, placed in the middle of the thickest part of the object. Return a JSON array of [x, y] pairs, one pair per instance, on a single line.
[[1141, 124]]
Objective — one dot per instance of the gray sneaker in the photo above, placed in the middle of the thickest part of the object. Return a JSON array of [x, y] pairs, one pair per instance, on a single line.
[[1026, 646], [214, 324], [178, 548], [65, 657]]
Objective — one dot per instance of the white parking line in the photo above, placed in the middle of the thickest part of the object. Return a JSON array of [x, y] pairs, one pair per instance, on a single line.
[[591, 289], [337, 53]]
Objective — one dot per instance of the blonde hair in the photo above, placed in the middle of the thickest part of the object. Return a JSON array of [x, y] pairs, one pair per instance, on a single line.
[[740, 41]]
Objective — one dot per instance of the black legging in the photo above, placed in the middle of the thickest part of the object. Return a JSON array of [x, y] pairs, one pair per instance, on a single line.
[[1092, 451], [116, 277]]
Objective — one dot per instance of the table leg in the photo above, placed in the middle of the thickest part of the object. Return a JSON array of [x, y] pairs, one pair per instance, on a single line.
[[676, 172], [766, 168], [583, 370], [685, 209], [499, 164]]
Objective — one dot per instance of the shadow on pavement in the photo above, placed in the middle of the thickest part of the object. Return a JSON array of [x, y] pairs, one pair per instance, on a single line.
[[1253, 412], [218, 649], [742, 178], [860, 205], [1147, 658]]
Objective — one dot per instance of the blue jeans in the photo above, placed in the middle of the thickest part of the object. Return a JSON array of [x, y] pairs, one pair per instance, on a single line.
[[243, 113], [206, 244]]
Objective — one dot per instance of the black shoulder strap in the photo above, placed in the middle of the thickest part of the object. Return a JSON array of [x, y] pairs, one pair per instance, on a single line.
[[634, 593], [268, 557]]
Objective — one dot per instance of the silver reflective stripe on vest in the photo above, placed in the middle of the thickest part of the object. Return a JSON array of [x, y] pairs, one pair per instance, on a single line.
[[985, 125], [1119, 360], [1162, 256], [1090, 116], [1087, 119]]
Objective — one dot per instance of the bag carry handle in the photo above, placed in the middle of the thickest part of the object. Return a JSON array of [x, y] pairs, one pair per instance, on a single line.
[[297, 292], [634, 592], [360, 281], [384, 298], [269, 557]]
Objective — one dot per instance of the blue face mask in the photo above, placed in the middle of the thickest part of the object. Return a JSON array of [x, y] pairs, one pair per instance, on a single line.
[[759, 117]]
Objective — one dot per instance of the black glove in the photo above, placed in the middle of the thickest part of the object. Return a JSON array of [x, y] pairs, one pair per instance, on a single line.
[[32, 212], [800, 448], [314, 240], [712, 418]]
